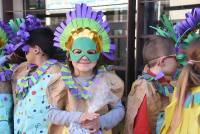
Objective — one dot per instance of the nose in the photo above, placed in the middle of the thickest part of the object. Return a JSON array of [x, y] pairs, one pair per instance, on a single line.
[[84, 58]]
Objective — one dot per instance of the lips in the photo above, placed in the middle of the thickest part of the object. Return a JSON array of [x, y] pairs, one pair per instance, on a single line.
[[84, 61]]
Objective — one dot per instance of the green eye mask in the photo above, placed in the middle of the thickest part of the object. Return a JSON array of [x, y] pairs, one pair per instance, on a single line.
[[84, 44]]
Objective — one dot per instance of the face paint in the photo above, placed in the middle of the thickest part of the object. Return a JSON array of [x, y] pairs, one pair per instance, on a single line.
[[84, 45]]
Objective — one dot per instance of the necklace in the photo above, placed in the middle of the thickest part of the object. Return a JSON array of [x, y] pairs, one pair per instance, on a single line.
[[79, 90], [163, 88]]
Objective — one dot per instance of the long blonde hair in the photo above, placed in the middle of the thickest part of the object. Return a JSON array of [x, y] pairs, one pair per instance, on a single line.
[[189, 77]]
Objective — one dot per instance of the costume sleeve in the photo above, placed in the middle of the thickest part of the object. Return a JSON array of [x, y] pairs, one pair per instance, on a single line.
[[113, 117], [61, 117], [116, 114], [116, 86]]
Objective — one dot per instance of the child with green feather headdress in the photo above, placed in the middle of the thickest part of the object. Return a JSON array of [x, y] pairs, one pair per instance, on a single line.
[[183, 33], [90, 88], [151, 92]]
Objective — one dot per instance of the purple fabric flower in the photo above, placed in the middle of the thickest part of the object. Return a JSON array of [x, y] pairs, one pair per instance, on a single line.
[[29, 24], [25, 48]]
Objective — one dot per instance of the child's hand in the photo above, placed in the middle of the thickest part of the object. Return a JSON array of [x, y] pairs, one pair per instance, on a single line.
[[88, 117], [92, 125]]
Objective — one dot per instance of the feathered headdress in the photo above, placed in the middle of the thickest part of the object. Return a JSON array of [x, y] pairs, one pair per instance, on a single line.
[[186, 32], [182, 33], [83, 21], [30, 23]]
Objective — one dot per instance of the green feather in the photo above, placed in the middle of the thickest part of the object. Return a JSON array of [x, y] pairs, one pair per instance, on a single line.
[[168, 26], [15, 23], [160, 31], [3, 38]]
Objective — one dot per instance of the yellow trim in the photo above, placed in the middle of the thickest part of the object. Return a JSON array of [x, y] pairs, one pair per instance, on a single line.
[[85, 32]]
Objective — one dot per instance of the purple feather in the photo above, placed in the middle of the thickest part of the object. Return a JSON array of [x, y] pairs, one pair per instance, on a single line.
[[104, 24], [57, 34], [29, 24], [73, 15], [110, 56], [100, 15], [25, 48], [89, 12], [94, 15], [56, 39], [69, 19], [62, 24], [56, 44], [78, 10], [112, 46], [107, 29], [84, 10], [59, 29], [190, 16], [196, 13], [185, 24]]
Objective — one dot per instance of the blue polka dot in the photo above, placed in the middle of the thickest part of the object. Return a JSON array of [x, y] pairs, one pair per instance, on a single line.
[[18, 121]]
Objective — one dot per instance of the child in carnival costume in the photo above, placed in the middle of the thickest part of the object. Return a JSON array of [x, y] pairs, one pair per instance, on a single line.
[[35, 79], [182, 114], [151, 92], [6, 101], [8, 59], [93, 94]]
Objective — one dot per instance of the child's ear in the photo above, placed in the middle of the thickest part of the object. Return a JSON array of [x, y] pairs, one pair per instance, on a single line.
[[160, 62], [37, 49]]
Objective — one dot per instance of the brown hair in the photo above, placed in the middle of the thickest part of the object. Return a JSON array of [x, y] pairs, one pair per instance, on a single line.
[[85, 31], [156, 47], [189, 77]]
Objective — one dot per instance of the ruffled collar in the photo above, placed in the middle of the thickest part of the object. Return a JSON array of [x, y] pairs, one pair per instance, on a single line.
[[77, 89], [29, 80], [161, 84]]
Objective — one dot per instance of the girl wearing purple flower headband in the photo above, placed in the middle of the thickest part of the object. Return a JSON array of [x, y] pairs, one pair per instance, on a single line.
[[35, 80], [90, 89]]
